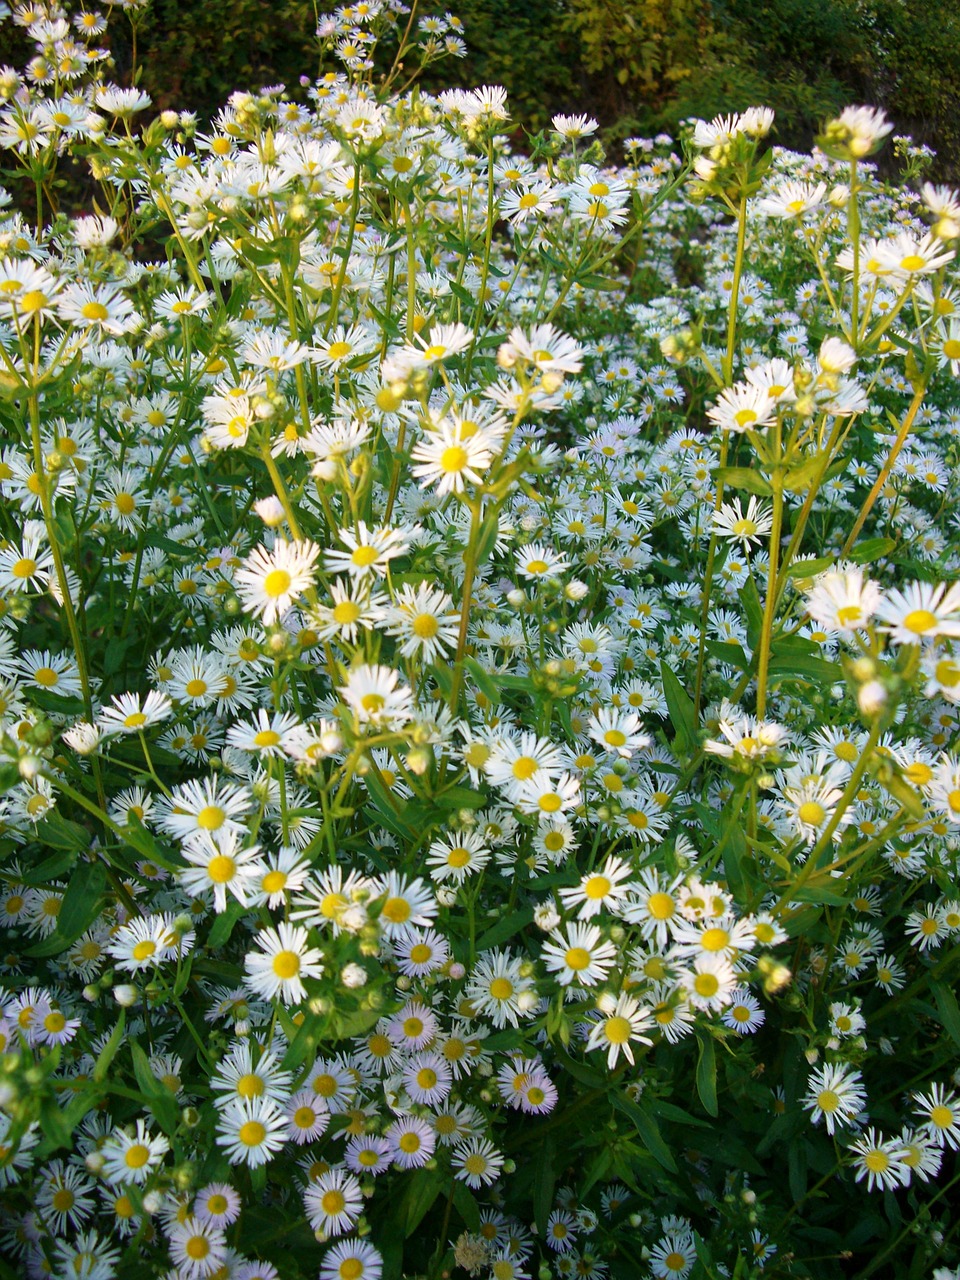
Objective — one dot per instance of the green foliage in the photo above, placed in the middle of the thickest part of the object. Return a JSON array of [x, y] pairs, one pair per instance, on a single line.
[[194, 56]]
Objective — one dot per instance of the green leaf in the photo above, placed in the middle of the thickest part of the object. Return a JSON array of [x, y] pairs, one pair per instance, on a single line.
[[482, 679], [871, 549], [459, 798], [389, 816], [680, 708], [222, 927], [729, 652], [669, 1111], [58, 832], [648, 1129], [793, 658], [505, 929], [753, 611], [734, 853], [948, 1011], [81, 902], [424, 1187], [468, 1207], [50, 868], [797, 1169], [159, 1099], [744, 478], [544, 1182], [136, 835], [115, 653], [707, 1074], [810, 568], [109, 1050]]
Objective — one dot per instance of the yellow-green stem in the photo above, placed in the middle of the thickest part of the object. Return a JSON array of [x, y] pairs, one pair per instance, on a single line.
[[884, 475], [769, 608]]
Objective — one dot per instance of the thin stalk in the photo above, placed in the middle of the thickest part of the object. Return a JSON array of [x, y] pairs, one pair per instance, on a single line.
[[727, 370], [769, 607], [884, 474], [470, 569], [280, 489]]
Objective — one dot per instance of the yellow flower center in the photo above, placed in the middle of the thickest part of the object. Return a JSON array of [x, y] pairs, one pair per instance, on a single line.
[[453, 459], [286, 964], [332, 1203], [211, 818], [277, 583], [346, 613], [425, 626], [397, 910], [221, 869], [617, 1029], [811, 813], [596, 888], [252, 1133]]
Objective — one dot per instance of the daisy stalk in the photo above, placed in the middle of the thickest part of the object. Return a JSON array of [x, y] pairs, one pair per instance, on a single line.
[[847, 798], [920, 389], [411, 333], [853, 235], [769, 608], [727, 370]]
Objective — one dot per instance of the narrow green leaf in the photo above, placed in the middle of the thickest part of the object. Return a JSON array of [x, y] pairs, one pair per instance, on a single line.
[[223, 926], [481, 678], [744, 478], [680, 708], [57, 832], [648, 1129], [871, 549], [797, 1169], [707, 1075], [505, 929], [50, 868], [109, 1050], [753, 611], [424, 1187], [159, 1099], [459, 798], [810, 568], [468, 1208], [544, 1182], [948, 1011]]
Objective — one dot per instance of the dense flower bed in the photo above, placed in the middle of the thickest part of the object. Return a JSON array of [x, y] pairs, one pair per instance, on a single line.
[[477, 687]]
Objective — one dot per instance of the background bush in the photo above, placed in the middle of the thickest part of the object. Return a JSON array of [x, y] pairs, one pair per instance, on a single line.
[[639, 66]]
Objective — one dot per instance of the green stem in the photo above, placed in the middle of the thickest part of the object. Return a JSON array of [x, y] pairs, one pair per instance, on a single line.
[[769, 608], [280, 489], [853, 232], [470, 569], [884, 474]]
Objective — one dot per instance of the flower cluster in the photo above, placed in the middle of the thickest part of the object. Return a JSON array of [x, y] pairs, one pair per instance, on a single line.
[[479, 745]]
